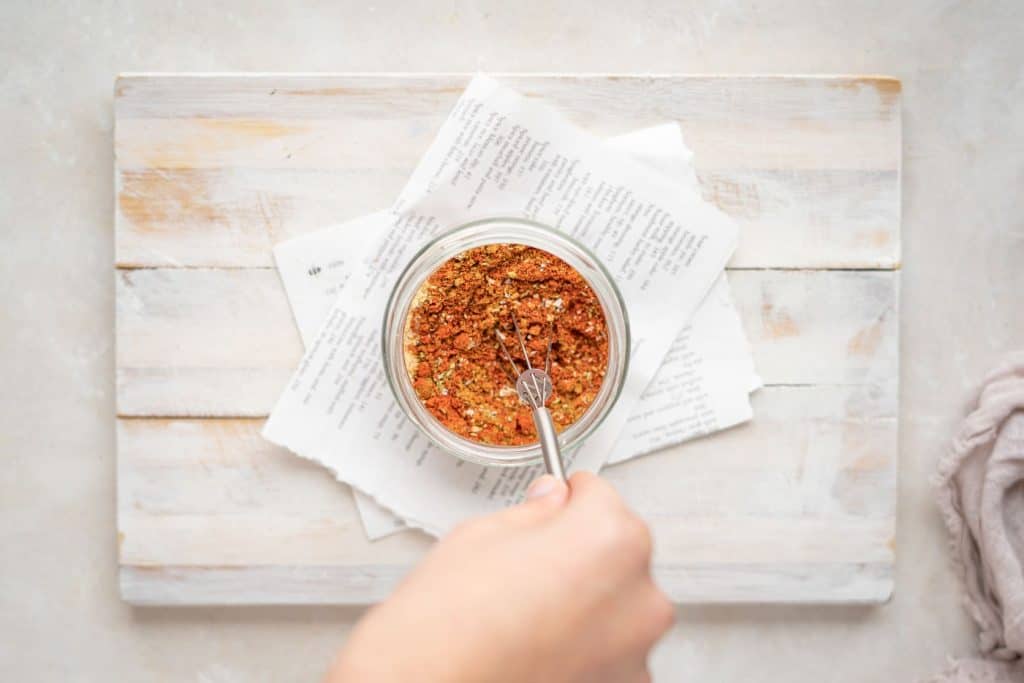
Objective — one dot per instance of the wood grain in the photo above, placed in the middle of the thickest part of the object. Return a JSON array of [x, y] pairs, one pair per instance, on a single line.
[[361, 584], [218, 342], [211, 171], [820, 491]]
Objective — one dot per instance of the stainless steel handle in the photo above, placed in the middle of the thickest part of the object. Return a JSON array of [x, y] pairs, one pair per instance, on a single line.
[[549, 443]]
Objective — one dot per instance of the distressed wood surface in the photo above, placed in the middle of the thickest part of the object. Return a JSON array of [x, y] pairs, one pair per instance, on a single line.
[[777, 492], [797, 506], [212, 171], [186, 336]]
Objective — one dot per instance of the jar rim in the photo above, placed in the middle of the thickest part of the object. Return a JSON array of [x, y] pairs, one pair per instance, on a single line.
[[503, 230]]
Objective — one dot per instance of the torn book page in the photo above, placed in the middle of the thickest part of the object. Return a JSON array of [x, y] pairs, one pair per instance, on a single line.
[[701, 386], [497, 154]]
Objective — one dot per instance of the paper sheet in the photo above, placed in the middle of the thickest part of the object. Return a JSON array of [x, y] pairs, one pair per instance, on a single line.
[[701, 386], [497, 154]]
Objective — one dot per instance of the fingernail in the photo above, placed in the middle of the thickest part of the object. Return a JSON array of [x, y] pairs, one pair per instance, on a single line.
[[541, 487]]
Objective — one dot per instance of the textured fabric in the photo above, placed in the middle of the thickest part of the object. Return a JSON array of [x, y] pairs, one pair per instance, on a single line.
[[981, 494], [981, 671]]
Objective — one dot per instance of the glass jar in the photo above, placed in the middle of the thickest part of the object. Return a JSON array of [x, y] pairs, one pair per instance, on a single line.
[[503, 231]]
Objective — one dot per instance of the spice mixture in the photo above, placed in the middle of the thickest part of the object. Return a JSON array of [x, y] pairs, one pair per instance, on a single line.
[[452, 352]]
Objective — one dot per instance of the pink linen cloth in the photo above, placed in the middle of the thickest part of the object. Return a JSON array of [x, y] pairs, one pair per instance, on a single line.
[[981, 495]]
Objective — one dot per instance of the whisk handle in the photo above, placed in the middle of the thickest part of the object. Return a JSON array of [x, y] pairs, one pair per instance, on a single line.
[[549, 443]]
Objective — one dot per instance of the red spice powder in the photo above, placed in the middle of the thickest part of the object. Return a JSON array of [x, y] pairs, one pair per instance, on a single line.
[[453, 357]]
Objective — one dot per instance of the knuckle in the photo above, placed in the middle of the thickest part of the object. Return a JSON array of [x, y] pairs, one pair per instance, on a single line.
[[625, 535], [613, 533], [591, 487], [642, 539], [582, 479], [634, 537], [663, 614]]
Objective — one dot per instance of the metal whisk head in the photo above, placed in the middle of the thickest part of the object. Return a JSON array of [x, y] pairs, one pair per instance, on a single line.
[[535, 388], [532, 384]]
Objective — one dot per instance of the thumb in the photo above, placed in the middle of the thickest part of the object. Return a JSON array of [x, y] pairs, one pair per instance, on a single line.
[[547, 492], [548, 489], [545, 496]]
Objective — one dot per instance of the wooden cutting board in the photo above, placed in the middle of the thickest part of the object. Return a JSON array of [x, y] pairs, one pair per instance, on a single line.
[[212, 170]]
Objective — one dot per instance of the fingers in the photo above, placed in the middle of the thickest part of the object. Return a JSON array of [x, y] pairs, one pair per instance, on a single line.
[[584, 482], [544, 498], [588, 489], [601, 517], [548, 488], [659, 615], [640, 616]]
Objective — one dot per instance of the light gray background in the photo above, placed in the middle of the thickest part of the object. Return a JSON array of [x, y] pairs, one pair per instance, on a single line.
[[962, 302]]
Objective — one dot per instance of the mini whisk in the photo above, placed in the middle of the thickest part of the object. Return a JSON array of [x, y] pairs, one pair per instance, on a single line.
[[535, 388]]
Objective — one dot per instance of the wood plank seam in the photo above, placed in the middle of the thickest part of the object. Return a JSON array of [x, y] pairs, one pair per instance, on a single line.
[[810, 167]]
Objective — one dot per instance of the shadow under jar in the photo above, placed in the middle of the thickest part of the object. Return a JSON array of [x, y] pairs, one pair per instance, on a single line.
[[408, 294]]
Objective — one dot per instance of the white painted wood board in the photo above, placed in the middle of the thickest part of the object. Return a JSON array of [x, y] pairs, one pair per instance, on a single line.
[[797, 506]]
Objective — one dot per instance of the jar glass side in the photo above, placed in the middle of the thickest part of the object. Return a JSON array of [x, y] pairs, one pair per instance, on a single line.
[[498, 231]]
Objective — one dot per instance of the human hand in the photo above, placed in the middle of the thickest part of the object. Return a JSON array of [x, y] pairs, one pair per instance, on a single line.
[[555, 589]]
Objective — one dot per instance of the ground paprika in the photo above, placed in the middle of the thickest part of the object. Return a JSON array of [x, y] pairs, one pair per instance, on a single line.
[[455, 362]]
